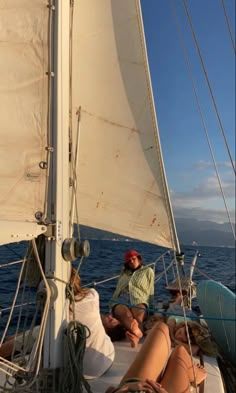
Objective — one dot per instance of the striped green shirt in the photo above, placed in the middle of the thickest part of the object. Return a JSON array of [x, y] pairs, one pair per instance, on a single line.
[[139, 284]]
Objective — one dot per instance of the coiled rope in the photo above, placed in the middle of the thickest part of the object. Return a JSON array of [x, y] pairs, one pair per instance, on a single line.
[[72, 379]]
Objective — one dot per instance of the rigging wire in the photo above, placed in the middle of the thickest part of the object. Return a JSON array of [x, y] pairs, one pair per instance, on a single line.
[[13, 303], [22, 301], [73, 158], [30, 371], [160, 258], [171, 223], [74, 161], [11, 263], [228, 25], [186, 57], [208, 84], [186, 322]]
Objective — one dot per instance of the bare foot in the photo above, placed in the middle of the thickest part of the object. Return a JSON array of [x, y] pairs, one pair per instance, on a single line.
[[132, 338], [200, 374], [134, 328]]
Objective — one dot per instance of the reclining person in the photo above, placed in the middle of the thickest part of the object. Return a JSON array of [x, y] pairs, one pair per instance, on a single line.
[[155, 370]]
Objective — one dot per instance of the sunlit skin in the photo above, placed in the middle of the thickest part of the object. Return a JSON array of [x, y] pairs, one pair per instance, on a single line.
[[133, 262], [109, 322], [154, 356], [131, 317], [181, 335]]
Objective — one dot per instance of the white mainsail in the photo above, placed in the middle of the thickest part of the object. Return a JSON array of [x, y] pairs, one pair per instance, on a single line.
[[23, 113], [120, 175], [120, 180]]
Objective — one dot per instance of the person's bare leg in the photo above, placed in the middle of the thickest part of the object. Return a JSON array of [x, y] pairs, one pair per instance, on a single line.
[[151, 359], [179, 372], [139, 313], [7, 348], [125, 317]]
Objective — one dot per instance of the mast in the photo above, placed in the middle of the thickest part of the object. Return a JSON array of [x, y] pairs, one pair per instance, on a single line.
[[58, 202]]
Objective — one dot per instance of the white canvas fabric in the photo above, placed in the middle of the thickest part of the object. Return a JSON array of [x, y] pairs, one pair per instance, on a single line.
[[23, 108], [120, 175]]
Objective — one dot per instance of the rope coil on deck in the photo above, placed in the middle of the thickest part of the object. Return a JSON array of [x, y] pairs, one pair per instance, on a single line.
[[72, 378]]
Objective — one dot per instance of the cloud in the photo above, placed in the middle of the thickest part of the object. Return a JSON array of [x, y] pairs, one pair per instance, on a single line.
[[203, 165], [201, 214], [208, 189], [204, 201]]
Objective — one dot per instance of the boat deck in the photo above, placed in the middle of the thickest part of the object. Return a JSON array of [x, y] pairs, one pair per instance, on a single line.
[[123, 358]]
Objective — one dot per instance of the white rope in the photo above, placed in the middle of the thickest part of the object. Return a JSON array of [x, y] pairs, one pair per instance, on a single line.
[[42, 328], [13, 304], [13, 366], [32, 368]]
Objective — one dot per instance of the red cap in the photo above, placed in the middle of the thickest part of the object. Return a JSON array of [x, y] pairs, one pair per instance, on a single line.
[[131, 253]]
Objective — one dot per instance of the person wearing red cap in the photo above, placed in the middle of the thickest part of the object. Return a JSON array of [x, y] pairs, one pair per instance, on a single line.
[[133, 295]]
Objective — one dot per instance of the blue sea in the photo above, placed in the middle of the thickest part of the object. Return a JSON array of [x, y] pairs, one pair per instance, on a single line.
[[106, 259]]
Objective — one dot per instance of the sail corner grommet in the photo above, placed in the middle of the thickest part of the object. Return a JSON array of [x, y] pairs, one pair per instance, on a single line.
[[43, 165], [39, 216]]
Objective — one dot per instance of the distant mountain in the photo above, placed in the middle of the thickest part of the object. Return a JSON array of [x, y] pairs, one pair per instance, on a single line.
[[204, 233], [92, 233]]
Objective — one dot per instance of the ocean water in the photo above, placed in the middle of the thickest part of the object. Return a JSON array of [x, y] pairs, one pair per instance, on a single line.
[[106, 260]]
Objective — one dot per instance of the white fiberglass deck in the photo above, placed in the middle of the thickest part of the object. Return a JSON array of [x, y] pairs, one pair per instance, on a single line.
[[123, 358]]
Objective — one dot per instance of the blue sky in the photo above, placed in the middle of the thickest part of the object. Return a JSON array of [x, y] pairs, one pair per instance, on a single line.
[[191, 176]]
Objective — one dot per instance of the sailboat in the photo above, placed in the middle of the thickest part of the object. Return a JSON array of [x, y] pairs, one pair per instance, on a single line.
[[80, 145]]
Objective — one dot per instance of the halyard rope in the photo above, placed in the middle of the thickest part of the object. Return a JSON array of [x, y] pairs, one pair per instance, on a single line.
[[72, 379]]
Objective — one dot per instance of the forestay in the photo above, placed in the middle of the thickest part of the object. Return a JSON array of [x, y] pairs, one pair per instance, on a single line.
[[23, 113], [121, 181]]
